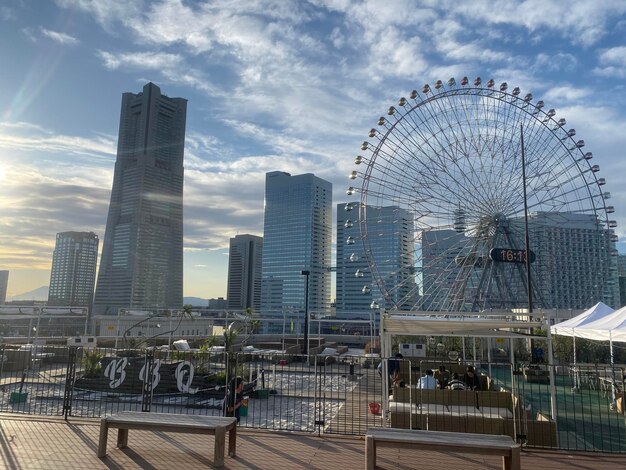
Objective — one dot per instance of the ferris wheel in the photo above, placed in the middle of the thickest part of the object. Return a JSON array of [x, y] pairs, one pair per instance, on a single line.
[[468, 181]]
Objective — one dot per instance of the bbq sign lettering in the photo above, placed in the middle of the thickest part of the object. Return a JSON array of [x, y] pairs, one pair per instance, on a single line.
[[130, 374]]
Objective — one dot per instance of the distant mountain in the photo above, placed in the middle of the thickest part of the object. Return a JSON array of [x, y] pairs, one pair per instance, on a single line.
[[41, 293], [195, 301]]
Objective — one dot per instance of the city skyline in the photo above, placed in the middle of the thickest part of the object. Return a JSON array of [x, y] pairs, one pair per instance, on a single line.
[[290, 86]]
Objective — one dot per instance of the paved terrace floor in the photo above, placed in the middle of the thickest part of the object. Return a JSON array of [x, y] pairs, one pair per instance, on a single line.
[[35, 442]]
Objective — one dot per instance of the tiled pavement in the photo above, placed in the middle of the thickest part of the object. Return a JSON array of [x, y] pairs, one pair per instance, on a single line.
[[36, 442]]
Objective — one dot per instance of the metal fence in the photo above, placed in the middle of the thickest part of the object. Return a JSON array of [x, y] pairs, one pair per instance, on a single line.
[[322, 394]]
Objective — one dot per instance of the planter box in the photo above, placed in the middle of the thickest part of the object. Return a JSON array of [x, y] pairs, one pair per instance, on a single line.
[[262, 393], [18, 397]]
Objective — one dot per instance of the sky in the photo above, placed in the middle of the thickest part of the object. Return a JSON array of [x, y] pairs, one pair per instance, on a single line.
[[271, 85]]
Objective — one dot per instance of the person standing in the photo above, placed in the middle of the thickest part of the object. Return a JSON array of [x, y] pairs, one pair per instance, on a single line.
[[393, 369]]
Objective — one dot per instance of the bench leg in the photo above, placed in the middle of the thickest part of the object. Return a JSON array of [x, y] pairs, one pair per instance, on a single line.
[[220, 445], [122, 438], [102, 443], [512, 462], [232, 441], [370, 453]]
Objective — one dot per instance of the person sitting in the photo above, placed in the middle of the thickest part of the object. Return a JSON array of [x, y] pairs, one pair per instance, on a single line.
[[471, 379], [442, 376], [234, 398], [393, 370], [428, 381], [456, 383]]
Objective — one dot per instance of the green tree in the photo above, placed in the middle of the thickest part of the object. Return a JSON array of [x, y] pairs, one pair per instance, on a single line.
[[92, 363], [230, 335]]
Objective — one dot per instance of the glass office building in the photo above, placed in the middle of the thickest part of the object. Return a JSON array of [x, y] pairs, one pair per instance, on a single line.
[[297, 237], [244, 272], [142, 255], [390, 233], [73, 273]]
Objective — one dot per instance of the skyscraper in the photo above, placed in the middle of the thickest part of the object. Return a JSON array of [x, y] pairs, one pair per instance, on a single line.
[[297, 237], [4, 282], [142, 255], [244, 272], [73, 273], [390, 237]]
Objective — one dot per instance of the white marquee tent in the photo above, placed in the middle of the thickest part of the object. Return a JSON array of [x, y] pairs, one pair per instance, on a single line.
[[568, 327], [610, 327], [571, 327]]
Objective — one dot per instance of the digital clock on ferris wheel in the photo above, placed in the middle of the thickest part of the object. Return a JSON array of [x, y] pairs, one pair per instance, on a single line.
[[510, 255]]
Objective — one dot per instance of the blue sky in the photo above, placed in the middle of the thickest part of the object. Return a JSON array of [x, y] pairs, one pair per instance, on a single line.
[[272, 85]]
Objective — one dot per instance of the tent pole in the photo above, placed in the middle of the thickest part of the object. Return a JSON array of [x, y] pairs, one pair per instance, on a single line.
[[489, 355], [385, 353], [576, 384], [612, 371], [552, 379], [474, 345], [512, 356], [463, 343]]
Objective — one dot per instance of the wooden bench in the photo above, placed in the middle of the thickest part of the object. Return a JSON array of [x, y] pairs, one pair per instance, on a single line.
[[442, 441], [214, 425]]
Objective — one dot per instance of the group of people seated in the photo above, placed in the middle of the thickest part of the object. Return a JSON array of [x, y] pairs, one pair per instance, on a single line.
[[442, 379]]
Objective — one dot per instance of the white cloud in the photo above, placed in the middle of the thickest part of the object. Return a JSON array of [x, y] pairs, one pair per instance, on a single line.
[[105, 11], [30, 34], [580, 21], [612, 63], [61, 38], [172, 66], [7, 13], [567, 93], [559, 62], [139, 60], [20, 136]]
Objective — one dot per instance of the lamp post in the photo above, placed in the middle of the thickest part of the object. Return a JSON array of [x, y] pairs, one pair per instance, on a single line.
[[306, 273]]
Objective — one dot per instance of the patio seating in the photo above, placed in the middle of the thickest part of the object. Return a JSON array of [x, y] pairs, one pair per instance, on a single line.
[[441, 441], [196, 424]]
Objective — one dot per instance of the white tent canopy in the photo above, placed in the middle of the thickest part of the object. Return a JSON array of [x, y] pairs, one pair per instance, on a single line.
[[611, 327], [575, 327], [570, 327]]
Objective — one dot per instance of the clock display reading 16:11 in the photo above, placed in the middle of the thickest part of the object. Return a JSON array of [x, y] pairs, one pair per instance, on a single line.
[[510, 255]]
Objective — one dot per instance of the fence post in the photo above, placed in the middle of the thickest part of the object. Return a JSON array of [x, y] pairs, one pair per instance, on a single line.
[[70, 378], [2, 356], [146, 391]]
